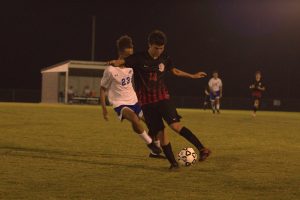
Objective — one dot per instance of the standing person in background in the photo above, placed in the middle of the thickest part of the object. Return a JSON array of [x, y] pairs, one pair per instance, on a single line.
[[70, 94], [257, 89], [215, 87], [87, 91]]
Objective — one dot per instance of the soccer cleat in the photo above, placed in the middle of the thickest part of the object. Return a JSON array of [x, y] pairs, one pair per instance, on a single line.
[[158, 156], [218, 111], [174, 167], [154, 149], [204, 153]]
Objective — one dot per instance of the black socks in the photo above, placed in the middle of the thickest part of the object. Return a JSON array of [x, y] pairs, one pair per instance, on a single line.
[[188, 135], [169, 153]]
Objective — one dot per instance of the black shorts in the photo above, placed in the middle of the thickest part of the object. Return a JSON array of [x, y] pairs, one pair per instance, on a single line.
[[155, 113], [256, 97]]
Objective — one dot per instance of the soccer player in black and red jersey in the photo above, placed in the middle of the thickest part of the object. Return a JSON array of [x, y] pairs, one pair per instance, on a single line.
[[257, 89], [150, 69]]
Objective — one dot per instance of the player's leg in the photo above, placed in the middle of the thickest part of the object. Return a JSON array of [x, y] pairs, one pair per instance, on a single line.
[[205, 103], [192, 138], [156, 128], [212, 102], [213, 106], [171, 116], [154, 138], [128, 114], [167, 149], [255, 106], [131, 116], [217, 102]]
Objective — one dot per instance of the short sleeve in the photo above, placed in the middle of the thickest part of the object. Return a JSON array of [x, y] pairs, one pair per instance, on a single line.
[[106, 79], [169, 63]]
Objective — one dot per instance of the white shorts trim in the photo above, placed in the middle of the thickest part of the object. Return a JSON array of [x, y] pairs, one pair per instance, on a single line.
[[140, 115]]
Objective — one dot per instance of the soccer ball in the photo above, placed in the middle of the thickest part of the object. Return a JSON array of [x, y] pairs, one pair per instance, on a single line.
[[187, 157]]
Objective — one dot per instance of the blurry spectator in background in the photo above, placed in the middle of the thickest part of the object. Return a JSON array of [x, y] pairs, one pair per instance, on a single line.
[[216, 87], [87, 91], [61, 97], [70, 94]]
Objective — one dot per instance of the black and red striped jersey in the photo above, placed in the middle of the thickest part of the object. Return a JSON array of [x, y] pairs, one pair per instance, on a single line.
[[149, 76], [255, 90], [257, 85]]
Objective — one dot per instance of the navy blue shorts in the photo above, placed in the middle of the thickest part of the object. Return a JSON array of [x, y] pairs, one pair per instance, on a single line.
[[135, 108], [214, 96]]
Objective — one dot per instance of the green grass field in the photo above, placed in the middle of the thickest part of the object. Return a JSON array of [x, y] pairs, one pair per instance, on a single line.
[[70, 152]]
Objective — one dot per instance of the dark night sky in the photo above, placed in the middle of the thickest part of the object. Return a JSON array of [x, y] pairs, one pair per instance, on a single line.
[[235, 37]]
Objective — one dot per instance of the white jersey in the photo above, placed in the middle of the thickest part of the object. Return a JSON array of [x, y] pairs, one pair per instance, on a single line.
[[118, 81], [215, 84]]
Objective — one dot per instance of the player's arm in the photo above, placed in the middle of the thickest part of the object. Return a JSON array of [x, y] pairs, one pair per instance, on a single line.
[[262, 88], [206, 92], [210, 86], [131, 61], [116, 63], [221, 88], [104, 85], [180, 73], [103, 102]]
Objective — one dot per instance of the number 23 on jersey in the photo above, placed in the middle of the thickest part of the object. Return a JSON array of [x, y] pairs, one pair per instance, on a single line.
[[125, 81]]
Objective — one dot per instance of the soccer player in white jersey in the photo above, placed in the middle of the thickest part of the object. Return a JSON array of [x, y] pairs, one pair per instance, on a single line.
[[215, 87], [117, 81]]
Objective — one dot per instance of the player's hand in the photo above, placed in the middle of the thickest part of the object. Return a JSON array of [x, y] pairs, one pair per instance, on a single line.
[[199, 75], [252, 86], [115, 63], [105, 114], [261, 88], [111, 62]]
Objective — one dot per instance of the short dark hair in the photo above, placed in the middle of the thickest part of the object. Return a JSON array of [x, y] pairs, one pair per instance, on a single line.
[[215, 71], [124, 42], [157, 37], [258, 72]]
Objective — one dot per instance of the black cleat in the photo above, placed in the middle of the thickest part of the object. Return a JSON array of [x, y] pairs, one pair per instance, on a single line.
[[158, 156], [154, 149], [174, 167], [204, 153]]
